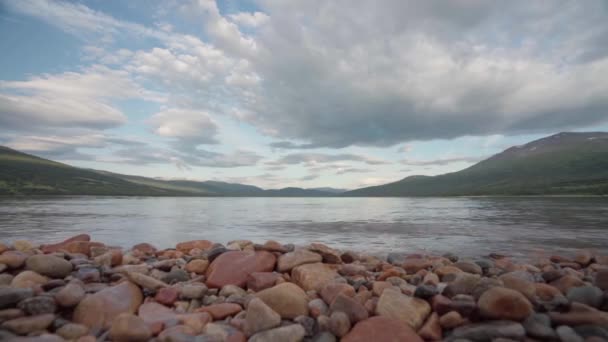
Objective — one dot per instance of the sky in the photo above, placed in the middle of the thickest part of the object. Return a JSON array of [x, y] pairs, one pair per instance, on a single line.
[[307, 93]]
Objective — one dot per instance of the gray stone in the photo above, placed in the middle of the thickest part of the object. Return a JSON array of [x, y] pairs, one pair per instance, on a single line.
[[425, 291], [565, 333], [290, 333], [324, 336], [339, 324], [10, 296], [539, 326], [309, 324], [589, 295], [38, 305], [49, 265], [176, 276], [587, 331], [193, 291], [395, 258]]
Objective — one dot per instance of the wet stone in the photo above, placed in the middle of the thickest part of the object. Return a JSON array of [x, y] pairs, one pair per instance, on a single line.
[[425, 291]]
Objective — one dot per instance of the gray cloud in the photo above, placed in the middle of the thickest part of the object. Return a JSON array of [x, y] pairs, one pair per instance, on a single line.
[[441, 161], [315, 158], [352, 170], [340, 73], [309, 177]]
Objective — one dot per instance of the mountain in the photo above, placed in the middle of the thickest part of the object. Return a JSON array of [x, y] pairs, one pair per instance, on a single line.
[[25, 174], [561, 164], [21, 173], [330, 190]]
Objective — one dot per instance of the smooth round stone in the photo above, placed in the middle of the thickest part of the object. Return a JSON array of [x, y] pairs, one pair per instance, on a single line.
[[566, 333], [469, 267], [187, 246], [503, 303], [23, 245], [259, 281], [215, 252], [409, 310], [539, 326], [88, 274], [100, 309], [464, 283], [314, 276], [176, 276], [380, 328], [72, 331], [290, 333], [52, 248], [234, 267], [589, 295], [25, 325], [339, 324], [221, 311], [230, 290], [296, 258], [29, 279], [309, 324], [198, 266], [260, 317], [13, 259], [38, 305], [167, 295], [425, 291], [70, 295], [451, 320], [431, 330], [127, 327], [489, 331], [287, 299], [317, 307], [352, 308], [332, 290], [193, 291]]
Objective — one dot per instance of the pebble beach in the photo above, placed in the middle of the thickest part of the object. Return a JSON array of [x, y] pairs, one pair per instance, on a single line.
[[84, 290]]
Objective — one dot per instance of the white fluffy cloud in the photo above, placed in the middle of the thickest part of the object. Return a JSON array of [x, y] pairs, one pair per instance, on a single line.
[[186, 126]]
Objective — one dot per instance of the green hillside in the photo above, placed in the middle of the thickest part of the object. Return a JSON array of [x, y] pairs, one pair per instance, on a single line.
[[561, 164], [24, 174]]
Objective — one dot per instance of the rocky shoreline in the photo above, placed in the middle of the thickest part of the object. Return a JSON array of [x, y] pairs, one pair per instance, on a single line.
[[81, 290]]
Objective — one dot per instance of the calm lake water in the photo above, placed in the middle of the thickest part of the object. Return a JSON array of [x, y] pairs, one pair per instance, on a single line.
[[465, 226]]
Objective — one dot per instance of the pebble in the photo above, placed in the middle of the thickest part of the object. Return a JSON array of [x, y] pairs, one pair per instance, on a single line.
[[290, 333], [539, 326], [503, 303], [339, 323], [127, 327], [287, 299], [193, 291], [288, 261], [49, 265], [489, 331], [24, 325], [72, 331], [409, 310], [38, 305], [260, 317], [305, 294], [565, 333], [379, 328], [11, 296], [589, 295]]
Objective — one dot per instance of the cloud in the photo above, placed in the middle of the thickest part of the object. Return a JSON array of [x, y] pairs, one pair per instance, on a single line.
[[319, 158], [184, 160], [68, 100], [246, 19], [411, 70], [405, 149], [186, 126], [342, 171], [441, 161], [309, 177], [67, 147]]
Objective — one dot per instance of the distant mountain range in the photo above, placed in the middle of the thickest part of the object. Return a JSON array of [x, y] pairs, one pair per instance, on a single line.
[[561, 164]]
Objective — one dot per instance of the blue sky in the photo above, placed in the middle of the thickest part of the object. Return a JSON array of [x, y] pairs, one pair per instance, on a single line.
[[296, 93]]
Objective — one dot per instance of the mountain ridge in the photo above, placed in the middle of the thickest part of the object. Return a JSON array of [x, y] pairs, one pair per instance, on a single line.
[[561, 164]]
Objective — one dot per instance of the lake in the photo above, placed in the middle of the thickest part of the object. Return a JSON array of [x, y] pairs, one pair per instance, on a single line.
[[465, 226]]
